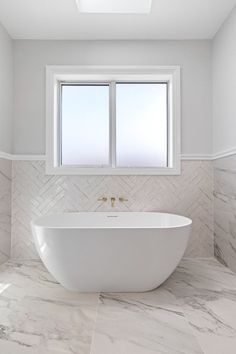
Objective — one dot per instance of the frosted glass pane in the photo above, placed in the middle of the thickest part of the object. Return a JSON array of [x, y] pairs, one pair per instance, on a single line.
[[85, 125], [141, 125]]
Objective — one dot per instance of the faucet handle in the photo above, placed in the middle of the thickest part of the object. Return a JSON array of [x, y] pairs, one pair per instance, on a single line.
[[102, 199], [121, 199], [113, 199]]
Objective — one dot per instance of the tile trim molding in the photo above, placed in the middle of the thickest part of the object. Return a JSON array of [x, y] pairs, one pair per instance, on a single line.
[[184, 157], [192, 157], [224, 153], [19, 157], [29, 157]]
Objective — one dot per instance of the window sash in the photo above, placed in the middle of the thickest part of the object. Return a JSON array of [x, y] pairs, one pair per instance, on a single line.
[[62, 84], [112, 123]]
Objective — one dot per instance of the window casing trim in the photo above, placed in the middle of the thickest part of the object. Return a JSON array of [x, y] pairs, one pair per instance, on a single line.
[[59, 75]]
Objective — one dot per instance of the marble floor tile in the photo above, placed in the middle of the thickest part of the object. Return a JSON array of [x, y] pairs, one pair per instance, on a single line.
[[199, 276], [37, 315], [194, 311], [206, 291], [144, 323]]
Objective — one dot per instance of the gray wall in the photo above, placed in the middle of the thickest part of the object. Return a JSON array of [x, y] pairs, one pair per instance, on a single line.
[[224, 86], [194, 57], [6, 87], [6, 102]]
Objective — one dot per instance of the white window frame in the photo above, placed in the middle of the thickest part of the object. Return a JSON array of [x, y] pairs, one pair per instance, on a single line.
[[56, 75]]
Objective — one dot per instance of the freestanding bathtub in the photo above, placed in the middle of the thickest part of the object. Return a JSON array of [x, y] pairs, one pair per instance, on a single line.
[[111, 252]]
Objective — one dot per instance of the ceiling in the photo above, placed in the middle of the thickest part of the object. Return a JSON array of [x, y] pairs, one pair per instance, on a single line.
[[60, 19]]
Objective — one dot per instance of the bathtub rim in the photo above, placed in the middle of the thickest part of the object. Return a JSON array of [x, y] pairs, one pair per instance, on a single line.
[[186, 221]]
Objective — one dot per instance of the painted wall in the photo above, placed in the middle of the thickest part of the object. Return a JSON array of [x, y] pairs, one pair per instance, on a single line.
[[6, 90], [30, 58], [6, 101], [224, 86]]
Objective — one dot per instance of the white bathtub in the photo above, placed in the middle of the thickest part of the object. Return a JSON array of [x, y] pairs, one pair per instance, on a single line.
[[111, 252]]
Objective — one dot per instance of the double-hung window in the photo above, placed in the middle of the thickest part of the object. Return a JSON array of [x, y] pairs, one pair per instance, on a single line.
[[113, 120]]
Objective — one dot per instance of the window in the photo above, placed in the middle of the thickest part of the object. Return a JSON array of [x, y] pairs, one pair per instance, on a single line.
[[84, 125], [141, 125], [114, 120]]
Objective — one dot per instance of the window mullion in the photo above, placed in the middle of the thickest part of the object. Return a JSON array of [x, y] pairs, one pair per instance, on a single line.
[[113, 123]]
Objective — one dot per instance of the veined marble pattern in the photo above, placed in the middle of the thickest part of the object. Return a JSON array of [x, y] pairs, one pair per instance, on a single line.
[[35, 194], [5, 209], [144, 323], [206, 291], [193, 312], [225, 210], [38, 316]]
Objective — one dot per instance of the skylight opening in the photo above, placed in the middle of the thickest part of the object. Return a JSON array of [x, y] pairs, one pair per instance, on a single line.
[[114, 6]]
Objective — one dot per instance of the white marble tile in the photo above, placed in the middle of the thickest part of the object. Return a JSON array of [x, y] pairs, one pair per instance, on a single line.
[[47, 325], [39, 316], [5, 209], [31, 278], [35, 194], [225, 211], [142, 324], [226, 163], [193, 277], [206, 291], [193, 312], [213, 323]]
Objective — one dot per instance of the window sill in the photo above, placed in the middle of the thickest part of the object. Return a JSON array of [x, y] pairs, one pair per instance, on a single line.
[[113, 171]]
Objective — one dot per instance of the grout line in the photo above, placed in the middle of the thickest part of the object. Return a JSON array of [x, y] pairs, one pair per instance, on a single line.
[[5, 176]]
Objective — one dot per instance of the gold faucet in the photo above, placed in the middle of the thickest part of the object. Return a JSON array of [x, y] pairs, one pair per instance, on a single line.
[[102, 199], [113, 199], [121, 199]]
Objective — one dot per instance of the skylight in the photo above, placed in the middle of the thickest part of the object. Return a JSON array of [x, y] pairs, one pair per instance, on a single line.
[[114, 6]]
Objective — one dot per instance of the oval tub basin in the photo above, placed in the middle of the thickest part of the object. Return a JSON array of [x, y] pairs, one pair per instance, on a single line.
[[111, 251]]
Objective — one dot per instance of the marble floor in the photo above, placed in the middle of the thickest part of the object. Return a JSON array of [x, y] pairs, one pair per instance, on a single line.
[[193, 312]]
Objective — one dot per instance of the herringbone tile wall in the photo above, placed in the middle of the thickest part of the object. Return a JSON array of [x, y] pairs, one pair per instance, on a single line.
[[5, 209], [35, 194]]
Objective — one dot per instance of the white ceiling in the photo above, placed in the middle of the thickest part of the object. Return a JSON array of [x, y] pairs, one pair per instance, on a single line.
[[60, 19]]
